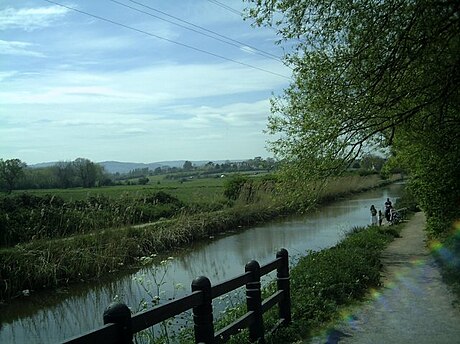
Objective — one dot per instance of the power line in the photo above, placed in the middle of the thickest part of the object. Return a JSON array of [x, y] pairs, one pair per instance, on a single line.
[[228, 8], [226, 40], [165, 39], [257, 51]]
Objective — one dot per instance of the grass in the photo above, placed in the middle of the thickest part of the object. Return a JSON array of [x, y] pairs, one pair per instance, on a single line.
[[193, 190], [56, 262], [325, 283]]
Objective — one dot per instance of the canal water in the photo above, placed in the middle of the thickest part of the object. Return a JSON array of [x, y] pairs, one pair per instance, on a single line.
[[51, 317]]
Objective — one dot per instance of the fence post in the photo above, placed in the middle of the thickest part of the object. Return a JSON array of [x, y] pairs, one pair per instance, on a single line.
[[254, 302], [118, 313], [283, 283], [202, 314]]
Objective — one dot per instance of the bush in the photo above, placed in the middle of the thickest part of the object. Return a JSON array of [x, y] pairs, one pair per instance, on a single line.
[[233, 186], [447, 256], [408, 201]]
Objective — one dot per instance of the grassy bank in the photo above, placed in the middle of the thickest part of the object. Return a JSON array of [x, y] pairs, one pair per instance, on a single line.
[[324, 283], [51, 263]]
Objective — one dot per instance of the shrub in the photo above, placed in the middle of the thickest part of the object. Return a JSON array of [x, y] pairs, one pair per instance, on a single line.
[[233, 186]]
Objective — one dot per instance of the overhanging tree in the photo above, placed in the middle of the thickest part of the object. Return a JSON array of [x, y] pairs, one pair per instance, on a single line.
[[371, 74]]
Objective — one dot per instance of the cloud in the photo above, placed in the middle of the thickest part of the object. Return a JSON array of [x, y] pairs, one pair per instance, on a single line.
[[7, 74], [134, 131], [30, 19], [247, 49], [164, 84], [71, 95], [18, 48], [206, 137]]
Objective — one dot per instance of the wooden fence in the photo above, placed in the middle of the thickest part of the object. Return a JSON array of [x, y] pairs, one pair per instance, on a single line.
[[120, 325]]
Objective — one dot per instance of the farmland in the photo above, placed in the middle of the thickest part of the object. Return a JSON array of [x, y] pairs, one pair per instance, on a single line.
[[191, 190]]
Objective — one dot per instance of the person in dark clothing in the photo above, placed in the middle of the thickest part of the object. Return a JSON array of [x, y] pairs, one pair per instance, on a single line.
[[373, 215], [388, 206]]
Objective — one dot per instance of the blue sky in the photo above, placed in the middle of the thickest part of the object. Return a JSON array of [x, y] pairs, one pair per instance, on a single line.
[[72, 85]]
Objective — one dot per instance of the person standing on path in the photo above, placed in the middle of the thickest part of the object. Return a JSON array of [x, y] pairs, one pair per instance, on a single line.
[[373, 215], [388, 206]]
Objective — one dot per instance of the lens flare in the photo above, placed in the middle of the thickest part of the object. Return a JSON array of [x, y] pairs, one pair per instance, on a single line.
[[400, 282]]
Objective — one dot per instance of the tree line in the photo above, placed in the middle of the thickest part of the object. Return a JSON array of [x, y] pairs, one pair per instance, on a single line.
[[14, 174], [82, 172]]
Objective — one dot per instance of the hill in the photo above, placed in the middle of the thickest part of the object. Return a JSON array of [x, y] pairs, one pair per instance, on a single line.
[[125, 167]]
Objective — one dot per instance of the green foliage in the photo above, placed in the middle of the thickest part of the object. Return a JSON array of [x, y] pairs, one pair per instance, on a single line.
[[143, 181], [233, 186], [407, 201], [10, 171], [187, 165], [324, 281], [55, 261], [64, 174], [371, 74], [447, 256], [24, 217]]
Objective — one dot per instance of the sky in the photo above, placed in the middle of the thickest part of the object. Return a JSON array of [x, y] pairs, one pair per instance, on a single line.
[[104, 82]]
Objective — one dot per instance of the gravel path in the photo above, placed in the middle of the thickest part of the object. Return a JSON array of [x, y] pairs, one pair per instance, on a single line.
[[414, 306]]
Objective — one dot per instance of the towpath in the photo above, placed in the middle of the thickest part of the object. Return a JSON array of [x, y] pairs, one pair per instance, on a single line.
[[414, 305]]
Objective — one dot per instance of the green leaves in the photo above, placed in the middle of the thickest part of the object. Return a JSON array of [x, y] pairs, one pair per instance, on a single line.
[[10, 171], [370, 74]]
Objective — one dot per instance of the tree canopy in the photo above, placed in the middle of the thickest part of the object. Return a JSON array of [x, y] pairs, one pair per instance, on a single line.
[[10, 171], [369, 74]]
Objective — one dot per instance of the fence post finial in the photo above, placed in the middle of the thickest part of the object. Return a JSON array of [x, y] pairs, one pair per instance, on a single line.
[[118, 313], [202, 314], [254, 302], [283, 283]]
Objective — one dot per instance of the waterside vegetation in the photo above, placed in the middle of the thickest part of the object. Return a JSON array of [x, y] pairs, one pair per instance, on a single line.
[[57, 258], [324, 283], [380, 74]]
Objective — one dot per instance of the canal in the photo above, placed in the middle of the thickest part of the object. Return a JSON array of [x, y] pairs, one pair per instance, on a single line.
[[52, 316]]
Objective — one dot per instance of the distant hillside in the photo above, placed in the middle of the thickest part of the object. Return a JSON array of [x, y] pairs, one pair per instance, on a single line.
[[43, 164], [125, 167]]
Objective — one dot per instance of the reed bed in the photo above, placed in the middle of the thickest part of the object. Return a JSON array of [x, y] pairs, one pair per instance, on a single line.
[[26, 217]]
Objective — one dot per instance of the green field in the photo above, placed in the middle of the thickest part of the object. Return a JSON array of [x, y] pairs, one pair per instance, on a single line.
[[203, 190]]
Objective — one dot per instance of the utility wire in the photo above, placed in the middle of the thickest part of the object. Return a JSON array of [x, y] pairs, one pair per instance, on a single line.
[[228, 8], [165, 39], [226, 40]]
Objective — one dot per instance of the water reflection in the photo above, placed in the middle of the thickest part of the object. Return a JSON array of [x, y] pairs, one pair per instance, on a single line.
[[51, 317]]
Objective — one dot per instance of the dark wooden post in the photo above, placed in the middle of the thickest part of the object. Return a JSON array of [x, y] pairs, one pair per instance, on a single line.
[[283, 283], [118, 313], [254, 302], [202, 314]]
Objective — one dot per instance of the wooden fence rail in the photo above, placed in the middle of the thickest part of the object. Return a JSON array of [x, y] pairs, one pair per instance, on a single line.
[[119, 327]]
